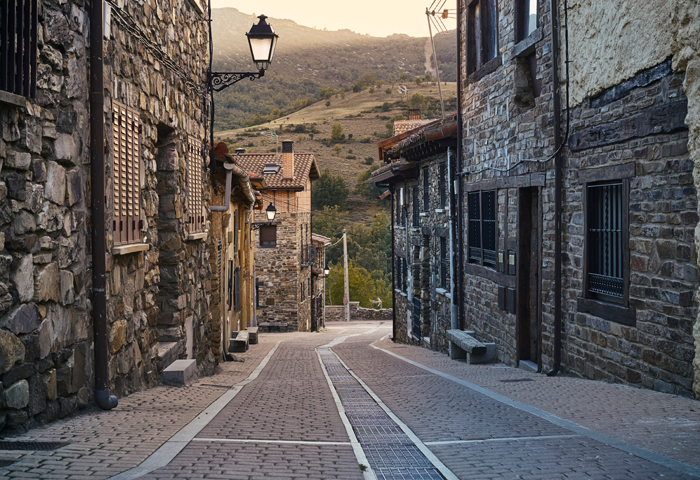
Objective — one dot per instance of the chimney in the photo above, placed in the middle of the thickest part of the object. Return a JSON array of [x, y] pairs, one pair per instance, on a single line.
[[287, 159], [240, 151], [414, 113]]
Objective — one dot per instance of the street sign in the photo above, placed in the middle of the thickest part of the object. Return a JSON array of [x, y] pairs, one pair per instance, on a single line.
[[345, 300]]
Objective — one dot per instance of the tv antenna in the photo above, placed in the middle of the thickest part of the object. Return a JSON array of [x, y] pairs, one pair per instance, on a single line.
[[436, 13], [403, 90]]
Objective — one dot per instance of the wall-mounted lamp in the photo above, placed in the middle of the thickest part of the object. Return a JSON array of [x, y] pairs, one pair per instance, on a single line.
[[270, 211]]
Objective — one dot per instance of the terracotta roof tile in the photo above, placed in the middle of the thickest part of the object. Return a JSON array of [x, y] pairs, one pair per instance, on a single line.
[[401, 126], [304, 167]]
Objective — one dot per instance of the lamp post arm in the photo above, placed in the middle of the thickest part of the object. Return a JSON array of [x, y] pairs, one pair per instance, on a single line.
[[219, 81]]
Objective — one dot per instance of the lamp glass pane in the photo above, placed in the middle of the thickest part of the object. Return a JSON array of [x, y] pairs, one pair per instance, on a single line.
[[260, 48]]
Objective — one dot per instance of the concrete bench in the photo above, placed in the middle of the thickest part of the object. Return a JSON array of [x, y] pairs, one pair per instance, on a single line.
[[239, 342], [180, 373], [253, 335], [464, 345]]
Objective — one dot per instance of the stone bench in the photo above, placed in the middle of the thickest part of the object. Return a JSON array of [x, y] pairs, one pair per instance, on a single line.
[[464, 345], [239, 342], [180, 373], [253, 335], [272, 327]]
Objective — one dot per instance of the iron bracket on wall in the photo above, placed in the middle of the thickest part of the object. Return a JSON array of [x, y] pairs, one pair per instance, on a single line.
[[219, 81]]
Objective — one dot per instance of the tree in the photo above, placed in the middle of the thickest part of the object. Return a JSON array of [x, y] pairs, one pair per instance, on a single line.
[[329, 190], [337, 133], [336, 149], [367, 187], [326, 93], [364, 287]]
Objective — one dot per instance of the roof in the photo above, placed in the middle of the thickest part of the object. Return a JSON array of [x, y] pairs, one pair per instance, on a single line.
[[401, 126], [315, 237], [432, 133], [304, 168]]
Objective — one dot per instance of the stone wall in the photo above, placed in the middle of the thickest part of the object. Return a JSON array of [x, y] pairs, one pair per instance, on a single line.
[[336, 313]]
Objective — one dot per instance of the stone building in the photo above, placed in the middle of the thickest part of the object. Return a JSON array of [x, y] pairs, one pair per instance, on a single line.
[[318, 281], [579, 203], [147, 127], [416, 172], [283, 252], [232, 251]]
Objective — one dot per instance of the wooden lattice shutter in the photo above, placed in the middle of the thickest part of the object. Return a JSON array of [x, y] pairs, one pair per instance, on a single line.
[[195, 201], [126, 128]]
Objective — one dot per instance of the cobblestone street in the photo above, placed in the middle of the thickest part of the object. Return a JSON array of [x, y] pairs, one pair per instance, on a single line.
[[348, 403]]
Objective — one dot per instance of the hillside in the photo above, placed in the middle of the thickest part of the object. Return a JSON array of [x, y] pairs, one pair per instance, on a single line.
[[308, 60], [363, 117]]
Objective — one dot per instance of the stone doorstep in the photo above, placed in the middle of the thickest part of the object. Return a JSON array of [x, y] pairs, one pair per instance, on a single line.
[[180, 373], [239, 342], [253, 335], [167, 352]]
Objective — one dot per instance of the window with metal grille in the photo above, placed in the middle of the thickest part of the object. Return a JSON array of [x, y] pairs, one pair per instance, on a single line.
[[18, 46], [443, 262], [268, 236], [482, 42], [606, 270], [426, 190], [303, 292], [416, 208], [482, 228], [230, 284], [443, 185], [237, 290], [404, 278], [126, 128], [195, 186]]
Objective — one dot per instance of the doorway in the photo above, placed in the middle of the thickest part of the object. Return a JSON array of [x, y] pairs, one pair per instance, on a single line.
[[528, 277]]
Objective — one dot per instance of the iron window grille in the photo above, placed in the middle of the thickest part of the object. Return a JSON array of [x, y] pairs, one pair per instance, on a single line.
[[443, 185], [482, 41], [482, 228], [230, 285], [605, 241], [443, 262], [404, 278], [268, 236], [126, 129], [303, 292], [18, 46], [426, 190], [416, 208], [195, 185], [237, 289]]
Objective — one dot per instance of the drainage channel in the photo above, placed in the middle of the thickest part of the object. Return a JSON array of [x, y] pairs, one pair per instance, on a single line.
[[391, 454]]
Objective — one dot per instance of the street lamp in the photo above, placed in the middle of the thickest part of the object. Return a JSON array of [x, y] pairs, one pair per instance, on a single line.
[[263, 41], [270, 211], [326, 271]]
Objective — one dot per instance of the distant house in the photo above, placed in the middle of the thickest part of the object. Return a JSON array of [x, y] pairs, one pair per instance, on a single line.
[[284, 249]]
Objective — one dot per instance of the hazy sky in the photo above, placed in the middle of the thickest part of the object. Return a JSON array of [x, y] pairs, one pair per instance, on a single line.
[[377, 17]]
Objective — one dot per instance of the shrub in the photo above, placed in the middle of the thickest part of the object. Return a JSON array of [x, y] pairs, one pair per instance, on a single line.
[[369, 160], [365, 140]]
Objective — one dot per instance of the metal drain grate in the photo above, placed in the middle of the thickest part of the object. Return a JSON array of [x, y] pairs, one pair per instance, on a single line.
[[389, 451], [37, 446]]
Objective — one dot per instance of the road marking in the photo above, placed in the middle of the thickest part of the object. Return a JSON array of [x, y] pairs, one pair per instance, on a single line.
[[643, 453], [171, 448], [368, 474], [283, 442], [439, 466], [489, 440]]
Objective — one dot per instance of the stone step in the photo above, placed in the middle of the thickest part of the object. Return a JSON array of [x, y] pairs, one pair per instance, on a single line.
[[168, 353], [253, 335], [180, 373], [269, 327], [239, 342]]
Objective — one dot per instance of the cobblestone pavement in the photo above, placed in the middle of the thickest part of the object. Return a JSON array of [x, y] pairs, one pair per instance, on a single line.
[[284, 422]]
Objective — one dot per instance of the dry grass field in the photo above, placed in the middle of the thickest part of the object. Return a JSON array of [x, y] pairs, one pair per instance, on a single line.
[[364, 124]]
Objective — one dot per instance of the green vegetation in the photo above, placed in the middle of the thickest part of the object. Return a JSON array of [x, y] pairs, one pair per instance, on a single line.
[[329, 190], [366, 187]]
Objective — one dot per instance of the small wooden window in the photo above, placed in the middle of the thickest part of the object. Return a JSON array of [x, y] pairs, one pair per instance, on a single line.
[[443, 185], [404, 278], [230, 284], [426, 190], [443, 262], [18, 46], [195, 186], [482, 228], [237, 290], [268, 236], [482, 41], [527, 18], [126, 128], [416, 208]]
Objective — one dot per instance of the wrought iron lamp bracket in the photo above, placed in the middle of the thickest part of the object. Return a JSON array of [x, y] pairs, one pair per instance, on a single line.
[[219, 81]]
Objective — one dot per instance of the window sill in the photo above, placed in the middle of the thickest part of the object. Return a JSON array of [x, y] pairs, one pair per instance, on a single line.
[[403, 294], [486, 69], [440, 210], [415, 229], [608, 311], [197, 236], [268, 246], [12, 99], [399, 227], [132, 248], [423, 214], [528, 45], [443, 292]]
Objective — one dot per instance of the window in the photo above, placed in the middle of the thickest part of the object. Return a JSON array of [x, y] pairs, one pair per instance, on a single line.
[[482, 228], [236, 230], [399, 280], [443, 185], [426, 190], [303, 292], [268, 236], [230, 284], [443, 262], [237, 290], [416, 208], [527, 18], [604, 230], [404, 278], [18, 46], [482, 42], [195, 203], [127, 174]]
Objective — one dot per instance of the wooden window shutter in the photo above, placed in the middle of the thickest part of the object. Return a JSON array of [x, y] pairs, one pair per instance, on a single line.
[[195, 200], [126, 128]]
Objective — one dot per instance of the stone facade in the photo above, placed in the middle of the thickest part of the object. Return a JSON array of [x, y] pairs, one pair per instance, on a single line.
[[155, 295]]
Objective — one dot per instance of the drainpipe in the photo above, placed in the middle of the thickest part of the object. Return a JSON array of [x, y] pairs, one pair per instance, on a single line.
[[227, 194], [454, 310], [556, 30], [97, 208], [392, 189], [457, 179]]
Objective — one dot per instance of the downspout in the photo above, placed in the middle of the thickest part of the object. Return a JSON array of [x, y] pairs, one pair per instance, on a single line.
[[454, 311], [556, 31], [457, 198], [227, 194], [392, 189], [97, 210]]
